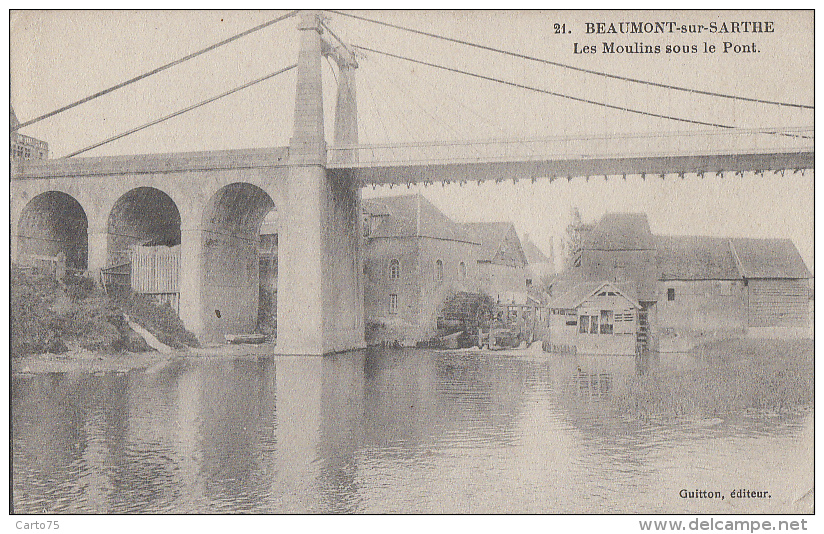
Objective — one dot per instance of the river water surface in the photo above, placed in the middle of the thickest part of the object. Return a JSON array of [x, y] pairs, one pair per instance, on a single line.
[[386, 431]]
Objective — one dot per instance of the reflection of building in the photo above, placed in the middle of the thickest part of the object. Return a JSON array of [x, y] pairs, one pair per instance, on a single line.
[[22, 146], [415, 257], [690, 284]]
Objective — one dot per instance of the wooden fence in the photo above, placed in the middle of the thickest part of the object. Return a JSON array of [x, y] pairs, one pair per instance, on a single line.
[[153, 271], [156, 271]]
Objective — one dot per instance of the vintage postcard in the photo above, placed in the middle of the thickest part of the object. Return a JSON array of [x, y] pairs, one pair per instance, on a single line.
[[413, 262]]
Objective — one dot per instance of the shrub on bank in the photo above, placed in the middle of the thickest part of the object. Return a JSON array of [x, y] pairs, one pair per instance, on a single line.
[[34, 326], [733, 375], [48, 316]]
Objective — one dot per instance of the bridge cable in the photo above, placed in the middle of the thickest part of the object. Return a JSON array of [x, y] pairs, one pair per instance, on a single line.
[[442, 124], [571, 67], [182, 111], [155, 71], [545, 91]]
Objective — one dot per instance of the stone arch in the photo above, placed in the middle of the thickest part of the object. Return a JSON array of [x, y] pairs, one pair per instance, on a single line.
[[141, 216], [53, 223], [234, 278]]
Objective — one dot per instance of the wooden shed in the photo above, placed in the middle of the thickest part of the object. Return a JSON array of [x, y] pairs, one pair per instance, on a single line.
[[594, 318], [777, 282]]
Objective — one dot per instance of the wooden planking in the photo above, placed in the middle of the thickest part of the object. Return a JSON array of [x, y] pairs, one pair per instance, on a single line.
[[155, 270], [778, 302]]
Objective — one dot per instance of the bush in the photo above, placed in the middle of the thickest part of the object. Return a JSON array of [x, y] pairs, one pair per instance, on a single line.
[[34, 326], [47, 315], [733, 376]]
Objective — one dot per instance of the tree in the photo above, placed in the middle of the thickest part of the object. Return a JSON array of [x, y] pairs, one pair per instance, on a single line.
[[574, 239]]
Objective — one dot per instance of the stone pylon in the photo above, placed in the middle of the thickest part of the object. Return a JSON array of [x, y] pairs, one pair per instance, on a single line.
[[320, 289]]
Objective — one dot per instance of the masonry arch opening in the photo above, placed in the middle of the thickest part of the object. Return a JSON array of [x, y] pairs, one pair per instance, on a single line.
[[143, 245], [53, 229], [239, 263]]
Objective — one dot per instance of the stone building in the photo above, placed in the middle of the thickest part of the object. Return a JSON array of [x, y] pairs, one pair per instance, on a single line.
[[415, 257], [692, 286], [541, 266], [23, 146], [502, 263]]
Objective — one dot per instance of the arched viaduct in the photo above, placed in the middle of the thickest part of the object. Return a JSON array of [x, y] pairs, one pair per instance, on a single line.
[[211, 205]]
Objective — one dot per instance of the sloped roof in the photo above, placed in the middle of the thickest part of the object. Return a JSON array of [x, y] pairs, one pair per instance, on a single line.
[[490, 235], [769, 258], [401, 219], [620, 231], [533, 253], [689, 257], [579, 293], [13, 122]]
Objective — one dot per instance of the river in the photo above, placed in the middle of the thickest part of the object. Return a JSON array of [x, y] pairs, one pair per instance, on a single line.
[[387, 431]]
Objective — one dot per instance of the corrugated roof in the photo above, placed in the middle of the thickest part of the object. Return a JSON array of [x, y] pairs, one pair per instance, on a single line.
[[688, 257], [490, 235], [620, 231], [769, 258], [400, 219]]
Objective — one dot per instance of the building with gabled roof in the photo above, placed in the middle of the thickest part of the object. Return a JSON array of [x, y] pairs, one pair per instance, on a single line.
[[501, 261], [692, 285], [595, 318], [540, 265], [760, 285], [415, 257], [621, 248]]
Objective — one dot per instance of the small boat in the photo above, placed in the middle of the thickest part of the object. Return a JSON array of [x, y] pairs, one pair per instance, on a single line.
[[238, 339]]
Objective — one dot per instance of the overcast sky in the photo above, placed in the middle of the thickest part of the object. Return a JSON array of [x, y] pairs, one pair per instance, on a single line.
[[59, 57]]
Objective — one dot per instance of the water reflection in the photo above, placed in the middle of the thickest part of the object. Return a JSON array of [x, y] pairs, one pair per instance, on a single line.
[[381, 431]]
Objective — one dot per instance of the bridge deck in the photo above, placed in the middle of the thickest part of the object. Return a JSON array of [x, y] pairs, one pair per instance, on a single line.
[[559, 157], [655, 153]]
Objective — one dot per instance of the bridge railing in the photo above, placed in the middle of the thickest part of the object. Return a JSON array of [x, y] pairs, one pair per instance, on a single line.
[[658, 144]]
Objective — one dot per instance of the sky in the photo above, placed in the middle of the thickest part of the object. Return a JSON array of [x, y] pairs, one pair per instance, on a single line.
[[57, 57]]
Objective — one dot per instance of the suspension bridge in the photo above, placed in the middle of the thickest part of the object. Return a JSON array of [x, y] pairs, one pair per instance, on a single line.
[[211, 204]]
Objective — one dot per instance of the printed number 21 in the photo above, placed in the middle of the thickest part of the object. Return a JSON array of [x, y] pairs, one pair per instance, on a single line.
[[560, 28]]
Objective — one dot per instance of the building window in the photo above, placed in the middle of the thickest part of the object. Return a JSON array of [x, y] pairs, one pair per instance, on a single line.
[[439, 271], [593, 324], [583, 324], [462, 271], [529, 282], [367, 230], [606, 321], [671, 294], [394, 269], [393, 304]]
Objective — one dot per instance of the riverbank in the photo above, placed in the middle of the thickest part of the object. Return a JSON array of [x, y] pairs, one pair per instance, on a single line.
[[74, 315], [731, 376], [83, 361]]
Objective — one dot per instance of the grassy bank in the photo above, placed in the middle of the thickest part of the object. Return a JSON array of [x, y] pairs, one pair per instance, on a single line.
[[733, 375], [55, 316]]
